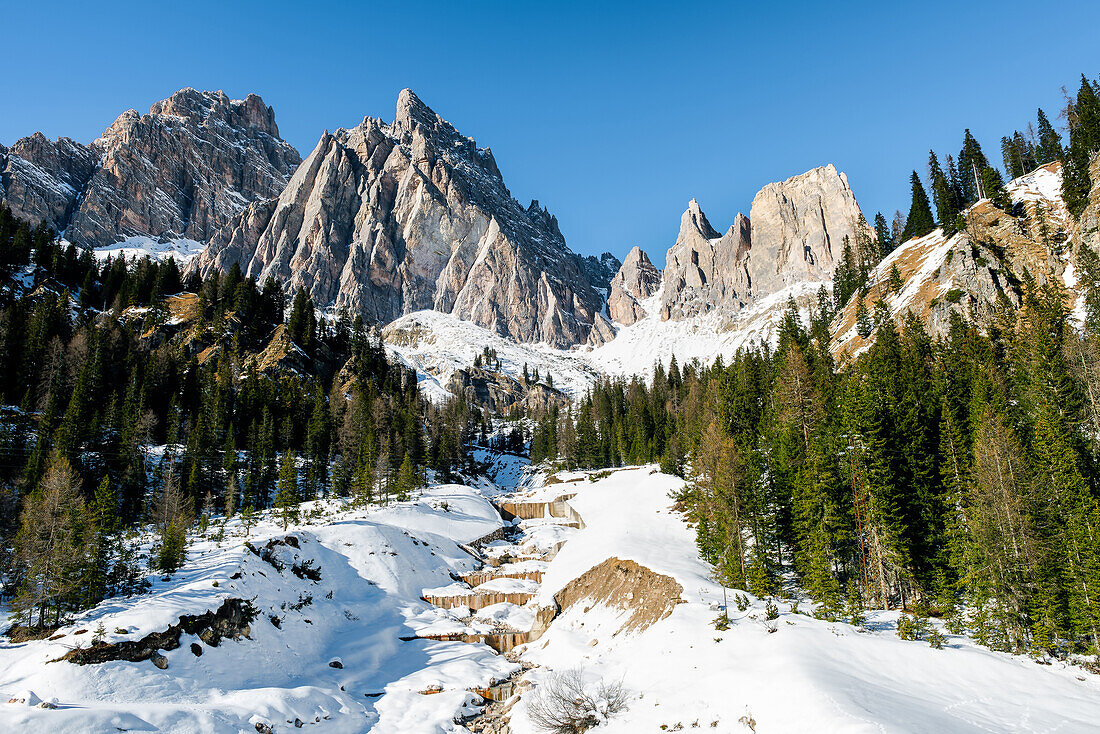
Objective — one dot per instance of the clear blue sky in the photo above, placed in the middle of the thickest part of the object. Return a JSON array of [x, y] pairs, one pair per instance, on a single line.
[[612, 114]]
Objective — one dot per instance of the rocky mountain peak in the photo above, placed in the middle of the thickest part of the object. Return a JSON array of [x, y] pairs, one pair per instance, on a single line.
[[636, 281], [798, 228], [412, 112], [694, 224], [384, 220], [181, 171], [793, 234], [705, 270]]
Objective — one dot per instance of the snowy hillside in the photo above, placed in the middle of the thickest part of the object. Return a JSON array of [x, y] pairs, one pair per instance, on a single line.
[[370, 568], [808, 675], [183, 250], [342, 640], [437, 344]]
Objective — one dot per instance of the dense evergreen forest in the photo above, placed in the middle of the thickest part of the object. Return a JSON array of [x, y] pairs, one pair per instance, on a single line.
[[956, 477], [102, 361]]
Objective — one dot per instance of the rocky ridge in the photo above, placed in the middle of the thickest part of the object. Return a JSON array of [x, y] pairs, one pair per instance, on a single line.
[[386, 219], [181, 171], [793, 234], [980, 270], [636, 280]]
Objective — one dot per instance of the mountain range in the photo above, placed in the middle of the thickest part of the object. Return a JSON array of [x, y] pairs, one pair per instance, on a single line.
[[391, 219]]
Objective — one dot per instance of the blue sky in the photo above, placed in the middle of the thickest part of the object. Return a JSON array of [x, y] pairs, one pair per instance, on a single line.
[[612, 114]]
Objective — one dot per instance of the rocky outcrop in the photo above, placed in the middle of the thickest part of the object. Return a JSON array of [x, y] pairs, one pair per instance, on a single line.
[[798, 229], [976, 272], [635, 281], [794, 233], [386, 219], [183, 170], [644, 596], [232, 620], [40, 179], [500, 393], [705, 270]]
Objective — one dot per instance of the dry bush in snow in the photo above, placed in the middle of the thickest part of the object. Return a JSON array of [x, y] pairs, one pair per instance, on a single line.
[[565, 704]]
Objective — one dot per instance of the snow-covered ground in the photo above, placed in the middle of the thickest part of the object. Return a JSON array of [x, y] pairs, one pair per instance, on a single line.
[[183, 250], [373, 565], [341, 658], [437, 344], [807, 676]]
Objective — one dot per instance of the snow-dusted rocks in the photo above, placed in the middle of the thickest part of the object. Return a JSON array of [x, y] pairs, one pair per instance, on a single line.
[[181, 171], [976, 271], [386, 219], [40, 179]]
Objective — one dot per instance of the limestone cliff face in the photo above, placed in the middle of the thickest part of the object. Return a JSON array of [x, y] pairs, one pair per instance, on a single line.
[[636, 281], [40, 179], [705, 270], [185, 169], [798, 229], [386, 219], [794, 233]]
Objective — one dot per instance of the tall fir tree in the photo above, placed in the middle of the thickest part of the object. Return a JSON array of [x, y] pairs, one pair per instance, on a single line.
[[920, 221]]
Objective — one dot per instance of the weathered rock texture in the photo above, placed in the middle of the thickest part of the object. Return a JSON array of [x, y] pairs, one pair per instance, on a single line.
[[705, 270], [386, 219], [185, 169], [500, 393], [231, 620], [798, 229], [794, 233], [646, 596], [636, 281]]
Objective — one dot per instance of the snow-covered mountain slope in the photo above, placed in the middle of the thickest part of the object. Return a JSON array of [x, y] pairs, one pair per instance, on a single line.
[[182, 249], [437, 344], [809, 675], [371, 567], [342, 641]]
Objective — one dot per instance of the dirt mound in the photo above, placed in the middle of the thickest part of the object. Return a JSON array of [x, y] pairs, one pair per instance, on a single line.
[[626, 585]]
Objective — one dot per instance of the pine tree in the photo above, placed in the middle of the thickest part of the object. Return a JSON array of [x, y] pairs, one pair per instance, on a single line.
[[920, 221], [972, 162], [947, 208], [1050, 142], [895, 282], [286, 498], [50, 546], [883, 236], [173, 513], [864, 325], [1084, 139], [302, 323], [407, 481]]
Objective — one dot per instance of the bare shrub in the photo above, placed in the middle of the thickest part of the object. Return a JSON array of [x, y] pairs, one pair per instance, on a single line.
[[565, 704]]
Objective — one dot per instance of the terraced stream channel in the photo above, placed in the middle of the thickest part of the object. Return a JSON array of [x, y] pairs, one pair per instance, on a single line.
[[494, 603]]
